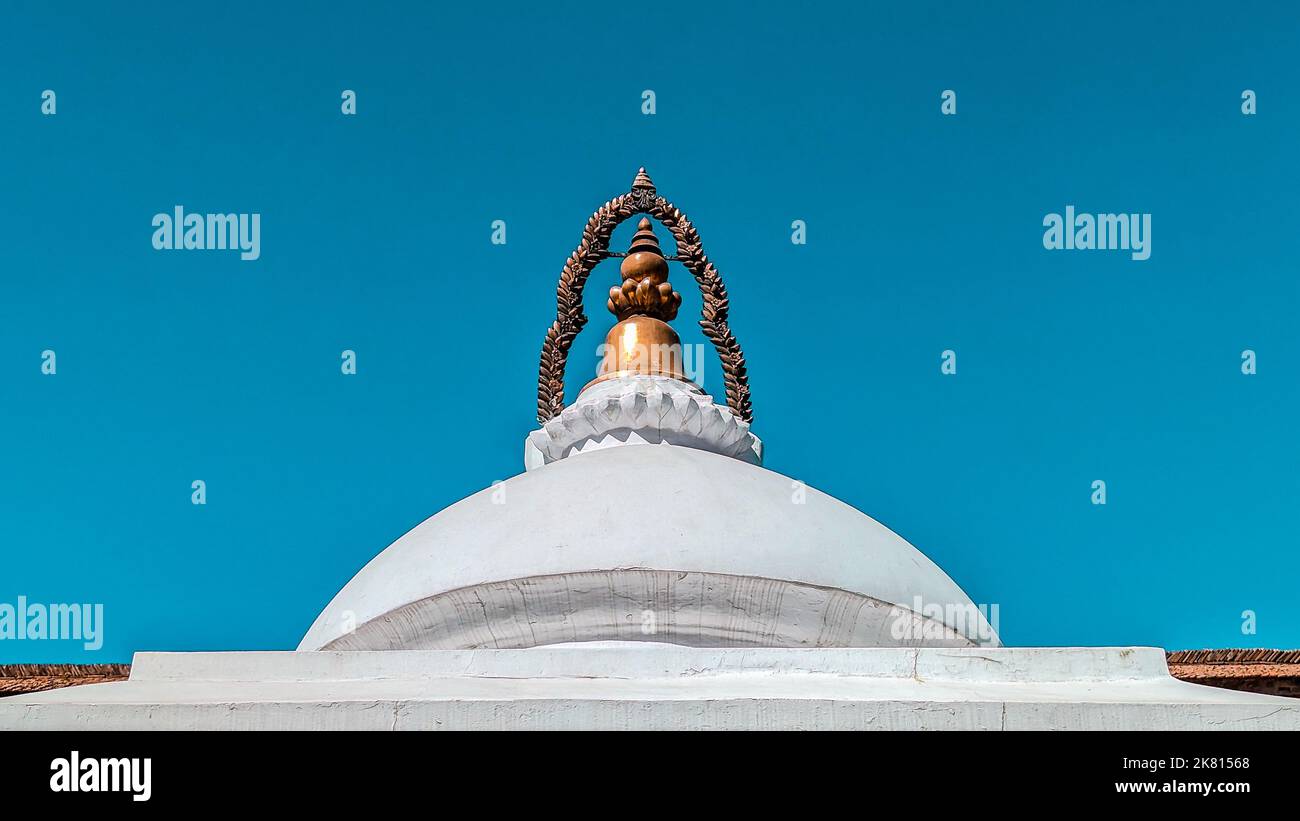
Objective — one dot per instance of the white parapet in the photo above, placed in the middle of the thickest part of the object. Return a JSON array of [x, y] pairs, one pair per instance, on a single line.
[[655, 686]]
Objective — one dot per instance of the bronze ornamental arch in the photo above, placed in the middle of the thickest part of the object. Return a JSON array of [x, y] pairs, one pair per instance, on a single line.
[[570, 318]]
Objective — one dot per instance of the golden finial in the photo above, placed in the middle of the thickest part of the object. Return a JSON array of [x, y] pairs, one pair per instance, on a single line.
[[645, 290], [642, 341]]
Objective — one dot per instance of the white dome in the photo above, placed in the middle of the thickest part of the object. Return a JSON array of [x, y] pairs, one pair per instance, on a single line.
[[648, 543]]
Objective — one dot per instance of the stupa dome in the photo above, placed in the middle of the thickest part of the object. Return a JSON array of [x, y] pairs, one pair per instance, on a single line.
[[646, 542]]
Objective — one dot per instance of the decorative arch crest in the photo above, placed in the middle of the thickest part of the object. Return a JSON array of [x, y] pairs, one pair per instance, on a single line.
[[594, 247]]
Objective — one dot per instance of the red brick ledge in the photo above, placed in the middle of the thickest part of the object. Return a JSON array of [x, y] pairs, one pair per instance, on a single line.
[[1273, 672], [32, 678]]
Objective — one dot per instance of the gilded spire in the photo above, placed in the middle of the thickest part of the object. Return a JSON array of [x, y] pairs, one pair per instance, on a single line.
[[645, 290], [644, 239], [642, 341]]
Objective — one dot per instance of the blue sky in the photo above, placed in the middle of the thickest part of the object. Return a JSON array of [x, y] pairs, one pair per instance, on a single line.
[[924, 234]]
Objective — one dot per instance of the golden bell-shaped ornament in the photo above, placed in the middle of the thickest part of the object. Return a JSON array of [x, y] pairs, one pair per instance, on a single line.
[[641, 345]]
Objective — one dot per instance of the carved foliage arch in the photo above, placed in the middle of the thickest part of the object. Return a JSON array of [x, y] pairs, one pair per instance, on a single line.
[[594, 247]]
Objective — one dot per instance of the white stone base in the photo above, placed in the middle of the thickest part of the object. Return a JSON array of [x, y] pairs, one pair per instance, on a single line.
[[654, 686]]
